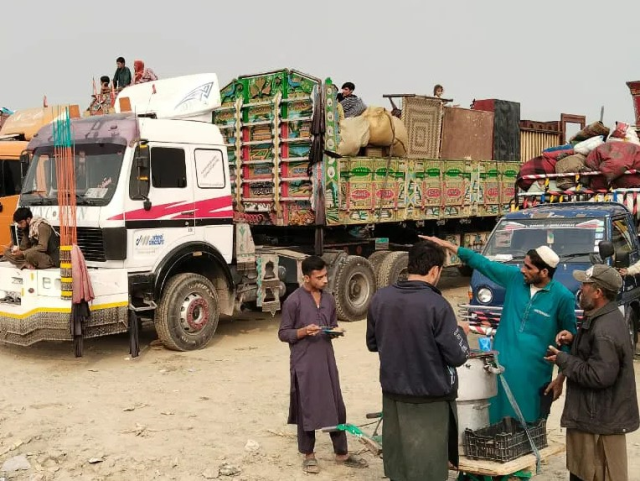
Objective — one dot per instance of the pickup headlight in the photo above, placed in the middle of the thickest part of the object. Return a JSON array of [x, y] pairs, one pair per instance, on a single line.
[[578, 296], [485, 296]]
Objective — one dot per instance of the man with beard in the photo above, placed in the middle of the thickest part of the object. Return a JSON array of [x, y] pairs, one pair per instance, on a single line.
[[413, 329], [536, 308], [39, 246], [602, 404]]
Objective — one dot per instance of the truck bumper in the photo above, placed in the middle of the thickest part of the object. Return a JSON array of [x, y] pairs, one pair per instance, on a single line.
[[31, 309], [53, 323]]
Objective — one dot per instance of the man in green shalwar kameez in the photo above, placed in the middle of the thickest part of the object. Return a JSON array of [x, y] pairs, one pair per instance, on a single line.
[[536, 308]]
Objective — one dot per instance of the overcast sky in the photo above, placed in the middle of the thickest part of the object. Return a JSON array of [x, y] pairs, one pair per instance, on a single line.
[[552, 56]]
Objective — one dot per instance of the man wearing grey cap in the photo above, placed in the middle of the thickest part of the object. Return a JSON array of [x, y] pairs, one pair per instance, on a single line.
[[602, 404], [536, 308]]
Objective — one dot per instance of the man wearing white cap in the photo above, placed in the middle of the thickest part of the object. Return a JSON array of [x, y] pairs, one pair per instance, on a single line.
[[536, 308]]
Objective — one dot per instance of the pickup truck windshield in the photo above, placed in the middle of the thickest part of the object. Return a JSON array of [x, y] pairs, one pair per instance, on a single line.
[[97, 168], [569, 238]]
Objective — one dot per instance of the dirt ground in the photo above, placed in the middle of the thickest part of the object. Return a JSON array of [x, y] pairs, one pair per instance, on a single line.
[[187, 416]]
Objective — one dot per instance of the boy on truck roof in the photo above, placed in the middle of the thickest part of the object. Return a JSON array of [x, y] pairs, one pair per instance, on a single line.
[[122, 77], [351, 104]]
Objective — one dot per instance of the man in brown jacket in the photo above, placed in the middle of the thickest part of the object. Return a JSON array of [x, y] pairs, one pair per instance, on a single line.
[[602, 404], [39, 244]]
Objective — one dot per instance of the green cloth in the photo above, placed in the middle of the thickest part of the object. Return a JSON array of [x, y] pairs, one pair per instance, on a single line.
[[418, 440], [527, 327]]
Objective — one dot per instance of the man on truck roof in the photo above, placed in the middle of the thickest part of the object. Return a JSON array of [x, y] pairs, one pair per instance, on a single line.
[[536, 309], [39, 246], [351, 104], [122, 77]]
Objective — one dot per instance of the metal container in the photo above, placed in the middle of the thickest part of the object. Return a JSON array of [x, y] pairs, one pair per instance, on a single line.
[[477, 383], [472, 415], [476, 379]]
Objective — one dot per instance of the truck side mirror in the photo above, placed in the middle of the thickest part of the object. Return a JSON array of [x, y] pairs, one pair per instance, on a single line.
[[143, 155], [622, 260], [141, 167], [605, 248], [25, 158]]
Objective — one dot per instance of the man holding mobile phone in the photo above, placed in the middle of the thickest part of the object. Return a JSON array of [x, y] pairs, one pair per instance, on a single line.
[[316, 400]]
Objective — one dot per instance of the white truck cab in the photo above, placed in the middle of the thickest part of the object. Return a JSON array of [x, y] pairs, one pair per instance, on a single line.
[[154, 222]]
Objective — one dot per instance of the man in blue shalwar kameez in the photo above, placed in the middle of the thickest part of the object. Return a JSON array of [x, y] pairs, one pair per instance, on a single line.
[[536, 308]]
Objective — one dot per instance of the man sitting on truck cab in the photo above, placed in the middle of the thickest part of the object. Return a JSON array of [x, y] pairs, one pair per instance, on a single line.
[[39, 246]]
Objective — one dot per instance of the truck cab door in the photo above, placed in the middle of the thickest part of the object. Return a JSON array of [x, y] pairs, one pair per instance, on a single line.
[[161, 185]]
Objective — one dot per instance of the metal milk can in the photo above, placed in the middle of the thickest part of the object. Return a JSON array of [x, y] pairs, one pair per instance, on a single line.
[[477, 383]]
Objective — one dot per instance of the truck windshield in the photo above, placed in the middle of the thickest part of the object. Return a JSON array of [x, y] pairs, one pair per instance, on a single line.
[[97, 168], [571, 239]]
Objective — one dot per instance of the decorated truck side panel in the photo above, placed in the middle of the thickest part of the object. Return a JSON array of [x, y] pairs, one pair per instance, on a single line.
[[266, 120], [269, 125]]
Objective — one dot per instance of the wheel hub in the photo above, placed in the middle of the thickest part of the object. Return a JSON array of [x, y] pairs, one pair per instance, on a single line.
[[358, 288], [194, 313]]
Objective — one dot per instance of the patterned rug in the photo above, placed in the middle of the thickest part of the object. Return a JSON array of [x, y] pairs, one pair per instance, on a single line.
[[423, 118]]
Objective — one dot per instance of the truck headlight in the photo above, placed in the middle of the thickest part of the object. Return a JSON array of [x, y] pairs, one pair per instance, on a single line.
[[485, 296]]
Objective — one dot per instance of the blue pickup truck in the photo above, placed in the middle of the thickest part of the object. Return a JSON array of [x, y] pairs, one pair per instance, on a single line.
[[581, 233]]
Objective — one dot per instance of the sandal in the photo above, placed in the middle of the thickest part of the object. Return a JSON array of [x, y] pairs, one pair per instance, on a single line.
[[310, 466], [353, 462]]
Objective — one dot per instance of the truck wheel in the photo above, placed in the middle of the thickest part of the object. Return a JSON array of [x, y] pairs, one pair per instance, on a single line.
[[393, 269], [632, 322], [354, 287], [188, 313], [376, 259]]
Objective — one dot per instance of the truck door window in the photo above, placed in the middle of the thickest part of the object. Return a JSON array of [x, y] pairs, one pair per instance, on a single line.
[[168, 168], [3, 188], [11, 181], [621, 237], [210, 168]]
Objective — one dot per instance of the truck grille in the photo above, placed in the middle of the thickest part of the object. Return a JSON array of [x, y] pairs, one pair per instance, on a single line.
[[91, 243]]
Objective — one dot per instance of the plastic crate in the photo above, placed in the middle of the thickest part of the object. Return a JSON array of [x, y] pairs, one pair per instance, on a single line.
[[504, 441]]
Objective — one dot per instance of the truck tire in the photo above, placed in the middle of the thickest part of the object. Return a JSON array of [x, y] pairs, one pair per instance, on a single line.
[[376, 259], [355, 284], [187, 316], [393, 269]]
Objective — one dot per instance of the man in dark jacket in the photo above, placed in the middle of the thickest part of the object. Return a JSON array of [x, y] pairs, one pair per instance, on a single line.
[[602, 404], [415, 332], [122, 77]]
